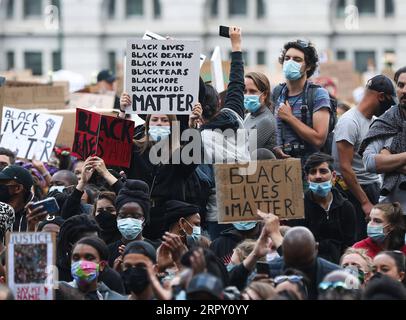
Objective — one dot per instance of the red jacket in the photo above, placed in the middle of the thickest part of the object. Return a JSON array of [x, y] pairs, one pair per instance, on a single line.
[[372, 247]]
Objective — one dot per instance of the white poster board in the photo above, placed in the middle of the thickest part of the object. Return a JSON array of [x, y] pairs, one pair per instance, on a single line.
[[149, 35], [30, 265], [29, 133], [162, 76], [217, 70]]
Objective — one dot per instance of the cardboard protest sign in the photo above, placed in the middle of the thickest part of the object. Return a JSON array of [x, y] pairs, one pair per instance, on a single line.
[[43, 96], [148, 35], [89, 100], [276, 186], [162, 76], [30, 265], [110, 138], [217, 70], [29, 133]]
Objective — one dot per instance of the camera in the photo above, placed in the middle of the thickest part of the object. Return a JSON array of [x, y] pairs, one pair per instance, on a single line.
[[295, 150]]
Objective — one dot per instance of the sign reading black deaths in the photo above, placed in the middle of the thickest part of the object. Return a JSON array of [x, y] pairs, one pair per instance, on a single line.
[[162, 76], [276, 186]]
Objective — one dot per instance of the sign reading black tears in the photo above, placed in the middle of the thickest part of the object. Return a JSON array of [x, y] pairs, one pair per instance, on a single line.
[[276, 186]]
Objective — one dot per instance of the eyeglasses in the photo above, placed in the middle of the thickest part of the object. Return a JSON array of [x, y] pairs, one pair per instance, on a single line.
[[303, 43], [292, 278]]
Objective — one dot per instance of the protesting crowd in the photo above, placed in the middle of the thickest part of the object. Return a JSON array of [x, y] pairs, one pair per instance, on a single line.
[[152, 231]]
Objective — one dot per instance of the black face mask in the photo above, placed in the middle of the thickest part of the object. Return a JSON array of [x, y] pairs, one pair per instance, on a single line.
[[135, 279], [108, 224], [383, 107], [5, 194]]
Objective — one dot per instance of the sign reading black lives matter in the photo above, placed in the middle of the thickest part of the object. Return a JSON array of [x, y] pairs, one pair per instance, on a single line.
[[29, 133], [276, 186], [162, 76]]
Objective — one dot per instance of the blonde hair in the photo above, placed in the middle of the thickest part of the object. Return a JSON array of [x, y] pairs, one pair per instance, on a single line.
[[264, 290], [363, 253]]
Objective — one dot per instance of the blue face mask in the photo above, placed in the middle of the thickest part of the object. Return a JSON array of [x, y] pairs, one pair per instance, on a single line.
[[244, 226], [291, 69], [321, 189], [157, 133], [196, 233], [129, 228], [376, 233], [252, 103]]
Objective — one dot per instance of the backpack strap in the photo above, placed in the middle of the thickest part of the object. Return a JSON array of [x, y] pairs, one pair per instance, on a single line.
[[276, 93]]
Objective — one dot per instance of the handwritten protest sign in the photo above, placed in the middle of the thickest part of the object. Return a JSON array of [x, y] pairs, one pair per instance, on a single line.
[[30, 265], [276, 186], [110, 138], [29, 133], [148, 35], [162, 76]]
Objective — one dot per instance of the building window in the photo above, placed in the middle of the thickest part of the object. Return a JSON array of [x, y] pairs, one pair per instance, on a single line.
[[135, 7], [389, 8], [112, 61], [237, 8], [341, 55], [366, 7], [363, 59], [340, 13], [9, 9], [260, 9], [33, 61], [56, 60], [157, 9], [111, 9], [214, 8], [261, 58], [32, 8], [10, 60]]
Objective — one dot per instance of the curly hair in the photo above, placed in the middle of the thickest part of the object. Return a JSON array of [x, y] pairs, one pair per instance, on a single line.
[[310, 55]]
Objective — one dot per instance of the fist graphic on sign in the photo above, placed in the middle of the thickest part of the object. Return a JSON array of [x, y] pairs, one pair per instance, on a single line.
[[50, 124]]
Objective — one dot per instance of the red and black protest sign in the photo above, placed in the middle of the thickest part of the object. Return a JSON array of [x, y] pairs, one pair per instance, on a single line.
[[109, 138]]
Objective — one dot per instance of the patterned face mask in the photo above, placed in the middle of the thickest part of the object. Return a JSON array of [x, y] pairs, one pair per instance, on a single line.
[[7, 217], [84, 272]]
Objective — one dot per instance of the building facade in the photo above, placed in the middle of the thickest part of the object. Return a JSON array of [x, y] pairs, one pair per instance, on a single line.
[[85, 36]]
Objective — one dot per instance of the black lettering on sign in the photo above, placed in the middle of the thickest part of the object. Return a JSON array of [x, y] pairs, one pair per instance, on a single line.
[[289, 207], [235, 178]]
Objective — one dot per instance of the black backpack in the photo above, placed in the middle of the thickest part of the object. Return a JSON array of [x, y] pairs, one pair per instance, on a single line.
[[309, 100]]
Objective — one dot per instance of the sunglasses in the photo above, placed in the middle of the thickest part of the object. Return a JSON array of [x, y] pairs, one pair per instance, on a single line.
[[336, 285], [292, 279], [303, 43]]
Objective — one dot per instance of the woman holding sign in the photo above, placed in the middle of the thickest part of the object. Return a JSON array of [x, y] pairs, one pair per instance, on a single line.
[[156, 160]]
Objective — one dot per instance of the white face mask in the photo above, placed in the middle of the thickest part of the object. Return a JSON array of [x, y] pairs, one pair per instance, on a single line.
[[56, 188]]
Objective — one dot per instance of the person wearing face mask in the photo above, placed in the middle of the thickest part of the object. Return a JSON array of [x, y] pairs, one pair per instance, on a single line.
[[228, 240], [166, 180], [361, 187], [15, 190], [88, 261], [384, 147], [139, 272], [257, 102], [357, 262], [302, 109], [133, 208], [328, 215], [386, 230], [106, 216]]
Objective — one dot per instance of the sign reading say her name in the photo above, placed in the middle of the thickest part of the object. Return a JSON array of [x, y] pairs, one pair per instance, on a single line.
[[162, 76], [29, 133], [31, 270], [276, 186], [110, 138]]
